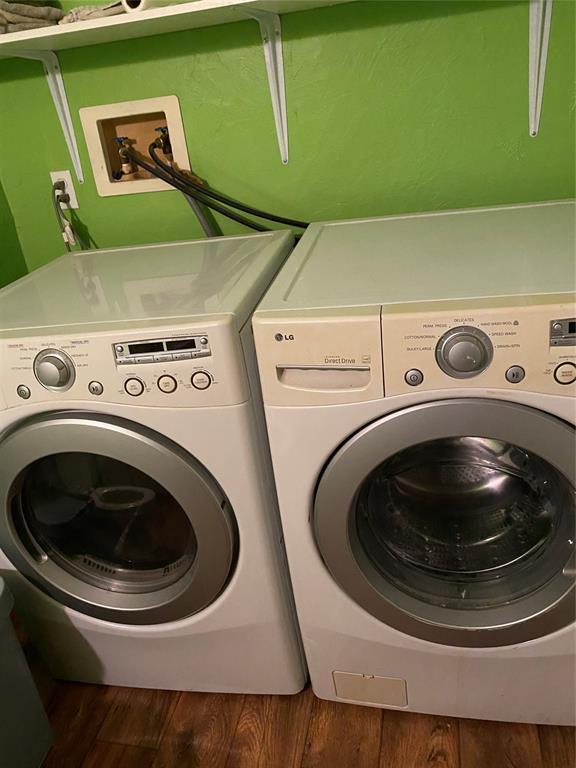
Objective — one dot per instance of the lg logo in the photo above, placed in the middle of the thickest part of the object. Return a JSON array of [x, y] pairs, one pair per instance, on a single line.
[[284, 336]]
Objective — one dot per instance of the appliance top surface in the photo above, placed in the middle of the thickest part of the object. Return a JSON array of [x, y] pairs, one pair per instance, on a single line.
[[226, 275], [475, 253]]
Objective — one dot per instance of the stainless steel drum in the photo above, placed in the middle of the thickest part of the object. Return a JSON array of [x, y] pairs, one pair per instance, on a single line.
[[460, 506]]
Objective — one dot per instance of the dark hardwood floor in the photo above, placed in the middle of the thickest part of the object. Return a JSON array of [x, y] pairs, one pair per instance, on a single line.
[[99, 727]]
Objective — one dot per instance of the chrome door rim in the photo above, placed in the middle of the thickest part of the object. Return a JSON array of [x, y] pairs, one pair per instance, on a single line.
[[188, 481], [337, 540]]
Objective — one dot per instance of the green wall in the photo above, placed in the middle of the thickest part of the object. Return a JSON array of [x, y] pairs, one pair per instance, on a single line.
[[392, 107], [12, 263]]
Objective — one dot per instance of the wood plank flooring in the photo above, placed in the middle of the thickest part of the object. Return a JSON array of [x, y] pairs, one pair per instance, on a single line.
[[100, 727]]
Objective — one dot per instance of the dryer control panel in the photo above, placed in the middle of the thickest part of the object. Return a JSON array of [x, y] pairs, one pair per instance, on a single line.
[[161, 350], [176, 367]]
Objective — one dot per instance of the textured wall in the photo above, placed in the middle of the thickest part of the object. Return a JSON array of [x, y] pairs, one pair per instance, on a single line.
[[12, 263], [392, 106]]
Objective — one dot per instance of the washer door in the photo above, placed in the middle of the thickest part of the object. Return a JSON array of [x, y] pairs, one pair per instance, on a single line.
[[454, 521], [112, 519]]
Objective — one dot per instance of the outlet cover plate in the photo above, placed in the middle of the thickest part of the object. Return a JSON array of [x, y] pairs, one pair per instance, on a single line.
[[93, 121], [66, 177]]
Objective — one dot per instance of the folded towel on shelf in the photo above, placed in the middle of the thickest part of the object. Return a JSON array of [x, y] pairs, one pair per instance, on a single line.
[[92, 12], [5, 28], [36, 11], [17, 17]]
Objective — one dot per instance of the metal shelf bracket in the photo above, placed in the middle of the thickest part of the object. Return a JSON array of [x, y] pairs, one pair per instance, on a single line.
[[58, 92], [540, 19], [271, 32]]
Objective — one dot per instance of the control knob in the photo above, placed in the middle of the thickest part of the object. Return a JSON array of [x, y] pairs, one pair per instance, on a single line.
[[464, 352], [54, 369]]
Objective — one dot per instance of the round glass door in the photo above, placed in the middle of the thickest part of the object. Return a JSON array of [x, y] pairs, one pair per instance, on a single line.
[[106, 522], [112, 519], [464, 535]]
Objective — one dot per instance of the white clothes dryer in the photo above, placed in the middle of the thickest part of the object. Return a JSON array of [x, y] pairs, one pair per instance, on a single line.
[[419, 385], [138, 522]]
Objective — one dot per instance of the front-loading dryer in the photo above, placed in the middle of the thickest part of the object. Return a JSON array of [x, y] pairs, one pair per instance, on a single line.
[[419, 380], [138, 521]]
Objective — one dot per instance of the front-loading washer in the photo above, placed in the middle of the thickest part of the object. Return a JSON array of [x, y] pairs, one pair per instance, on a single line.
[[419, 380], [138, 522]]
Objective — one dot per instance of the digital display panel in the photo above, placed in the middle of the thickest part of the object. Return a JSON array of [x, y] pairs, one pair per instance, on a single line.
[[146, 348], [572, 326], [181, 344]]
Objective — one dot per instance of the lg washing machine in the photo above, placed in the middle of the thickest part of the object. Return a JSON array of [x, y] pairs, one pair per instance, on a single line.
[[419, 379]]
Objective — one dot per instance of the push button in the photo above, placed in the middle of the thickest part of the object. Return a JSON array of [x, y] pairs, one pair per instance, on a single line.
[[201, 380], [95, 388], [23, 391], [414, 377], [515, 374], [167, 384], [134, 387], [565, 373]]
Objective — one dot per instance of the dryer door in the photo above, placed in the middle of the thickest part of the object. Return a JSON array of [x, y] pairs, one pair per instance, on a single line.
[[113, 520], [454, 521]]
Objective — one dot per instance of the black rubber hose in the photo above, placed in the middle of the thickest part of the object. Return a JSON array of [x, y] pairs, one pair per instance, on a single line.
[[192, 193], [220, 197]]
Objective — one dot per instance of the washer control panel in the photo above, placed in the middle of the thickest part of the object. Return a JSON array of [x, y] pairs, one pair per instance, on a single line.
[[175, 369], [481, 344]]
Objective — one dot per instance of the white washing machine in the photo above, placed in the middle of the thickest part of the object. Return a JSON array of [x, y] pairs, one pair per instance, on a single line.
[[138, 522], [419, 386]]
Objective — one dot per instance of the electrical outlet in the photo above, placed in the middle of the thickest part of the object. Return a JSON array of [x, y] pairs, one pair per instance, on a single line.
[[66, 177]]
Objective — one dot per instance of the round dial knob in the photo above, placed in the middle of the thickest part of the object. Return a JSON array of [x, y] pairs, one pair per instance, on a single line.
[[464, 352], [54, 369]]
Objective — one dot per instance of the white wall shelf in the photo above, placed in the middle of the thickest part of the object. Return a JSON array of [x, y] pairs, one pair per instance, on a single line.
[[202, 13], [42, 44]]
